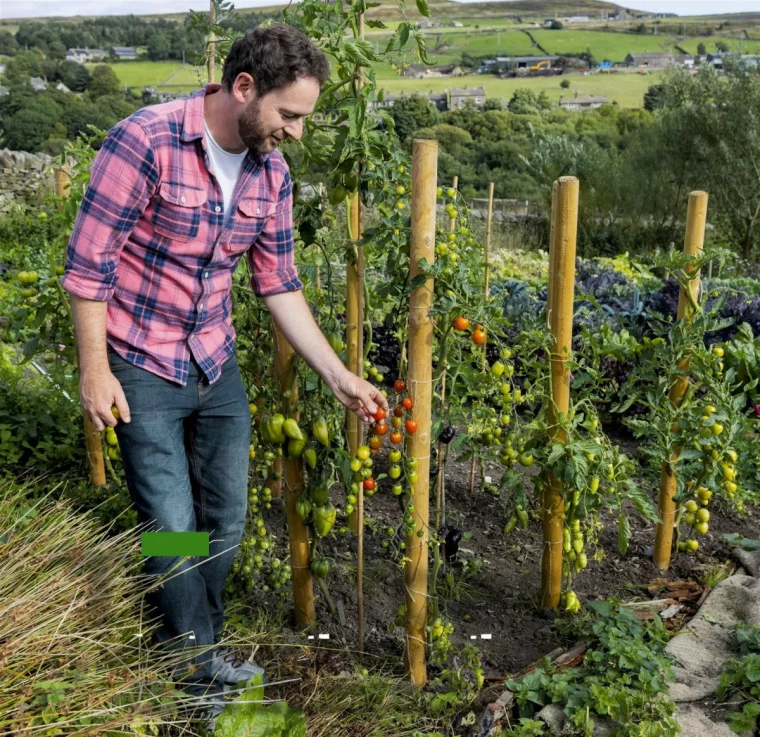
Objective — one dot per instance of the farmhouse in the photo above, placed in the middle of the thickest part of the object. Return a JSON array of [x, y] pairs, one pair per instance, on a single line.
[[82, 55], [124, 52], [649, 59], [439, 99], [684, 60], [503, 63], [582, 102], [38, 84], [578, 19], [460, 95]]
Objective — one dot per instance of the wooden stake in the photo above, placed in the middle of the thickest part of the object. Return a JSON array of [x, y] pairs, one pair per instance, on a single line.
[[298, 532], [561, 288], [696, 218], [211, 44], [92, 436], [424, 170], [488, 233]]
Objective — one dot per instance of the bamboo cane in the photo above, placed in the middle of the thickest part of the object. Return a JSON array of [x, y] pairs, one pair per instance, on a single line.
[[298, 532], [211, 43], [693, 243], [424, 170], [92, 436], [561, 280], [359, 511], [473, 463]]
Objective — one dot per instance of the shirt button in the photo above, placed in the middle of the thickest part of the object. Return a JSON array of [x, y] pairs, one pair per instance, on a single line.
[[200, 306], [205, 274], [217, 209], [258, 211], [182, 199]]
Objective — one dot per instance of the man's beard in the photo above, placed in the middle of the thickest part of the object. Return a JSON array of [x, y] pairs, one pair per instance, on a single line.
[[251, 130]]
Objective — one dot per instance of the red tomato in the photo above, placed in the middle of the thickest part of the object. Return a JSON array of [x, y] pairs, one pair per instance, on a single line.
[[411, 426], [461, 323], [399, 386], [398, 411], [381, 428], [408, 402], [381, 414], [369, 484], [396, 437], [479, 336]]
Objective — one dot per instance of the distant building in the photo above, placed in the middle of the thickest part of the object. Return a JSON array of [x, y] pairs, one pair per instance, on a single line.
[[62, 87], [548, 21], [619, 14], [505, 63], [4, 92], [649, 59], [83, 55], [459, 96], [149, 93], [428, 23], [582, 102], [455, 24], [684, 60], [439, 99], [2, 68], [420, 71], [38, 84], [124, 52], [577, 19]]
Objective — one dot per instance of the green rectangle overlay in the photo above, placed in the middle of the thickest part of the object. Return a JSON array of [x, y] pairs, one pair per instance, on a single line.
[[175, 544]]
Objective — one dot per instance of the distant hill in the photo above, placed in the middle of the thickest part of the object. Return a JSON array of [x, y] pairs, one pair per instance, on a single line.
[[439, 9]]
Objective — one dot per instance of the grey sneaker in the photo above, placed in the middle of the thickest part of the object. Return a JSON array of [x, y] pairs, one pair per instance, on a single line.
[[230, 668], [212, 711]]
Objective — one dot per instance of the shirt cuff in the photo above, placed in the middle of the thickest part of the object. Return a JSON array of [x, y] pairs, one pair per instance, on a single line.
[[86, 287], [267, 283]]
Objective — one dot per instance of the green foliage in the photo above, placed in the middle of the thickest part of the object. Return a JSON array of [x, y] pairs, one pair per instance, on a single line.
[[623, 678], [740, 680], [413, 112]]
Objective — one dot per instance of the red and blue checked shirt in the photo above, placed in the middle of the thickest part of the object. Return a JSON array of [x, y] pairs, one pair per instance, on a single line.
[[149, 240]]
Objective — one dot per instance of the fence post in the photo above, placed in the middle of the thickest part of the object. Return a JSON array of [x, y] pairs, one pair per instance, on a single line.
[[696, 218], [424, 182], [93, 439], [560, 319], [298, 532]]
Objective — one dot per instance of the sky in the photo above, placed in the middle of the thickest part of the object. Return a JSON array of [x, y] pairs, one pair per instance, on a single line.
[[36, 8]]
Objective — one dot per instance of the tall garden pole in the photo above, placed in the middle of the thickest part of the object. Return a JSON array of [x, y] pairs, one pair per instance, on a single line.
[[211, 43], [424, 182], [488, 233], [560, 318], [93, 439], [298, 532], [696, 217], [440, 482], [474, 462]]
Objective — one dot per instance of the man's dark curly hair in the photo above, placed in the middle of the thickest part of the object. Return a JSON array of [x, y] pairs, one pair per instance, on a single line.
[[275, 57]]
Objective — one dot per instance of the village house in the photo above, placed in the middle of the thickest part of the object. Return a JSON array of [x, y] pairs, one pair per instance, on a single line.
[[83, 55], [420, 71], [459, 96], [124, 52], [582, 102]]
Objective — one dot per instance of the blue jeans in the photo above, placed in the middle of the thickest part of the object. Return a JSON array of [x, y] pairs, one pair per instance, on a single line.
[[185, 455]]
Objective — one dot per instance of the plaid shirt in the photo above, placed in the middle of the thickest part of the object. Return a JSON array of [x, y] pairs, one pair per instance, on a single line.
[[149, 240]]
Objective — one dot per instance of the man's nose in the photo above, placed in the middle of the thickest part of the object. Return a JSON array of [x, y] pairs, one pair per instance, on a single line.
[[295, 129]]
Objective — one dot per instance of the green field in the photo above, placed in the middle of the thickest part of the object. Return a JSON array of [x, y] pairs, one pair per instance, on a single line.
[[625, 89], [746, 46], [610, 45], [143, 73]]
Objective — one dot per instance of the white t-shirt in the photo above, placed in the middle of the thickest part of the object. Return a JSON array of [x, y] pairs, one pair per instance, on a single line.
[[226, 168]]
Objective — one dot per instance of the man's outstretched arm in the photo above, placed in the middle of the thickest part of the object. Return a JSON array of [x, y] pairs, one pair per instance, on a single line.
[[292, 316]]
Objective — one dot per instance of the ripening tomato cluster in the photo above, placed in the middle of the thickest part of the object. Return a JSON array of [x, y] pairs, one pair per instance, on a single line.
[[479, 334]]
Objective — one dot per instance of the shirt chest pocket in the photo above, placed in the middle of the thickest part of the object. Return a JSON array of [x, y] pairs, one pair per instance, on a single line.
[[178, 210], [249, 220]]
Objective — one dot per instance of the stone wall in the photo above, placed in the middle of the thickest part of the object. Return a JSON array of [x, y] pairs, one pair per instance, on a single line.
[[24, 178]]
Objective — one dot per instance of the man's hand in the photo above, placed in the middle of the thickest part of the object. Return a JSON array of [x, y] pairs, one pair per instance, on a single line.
[[98, 392], [361, 397]]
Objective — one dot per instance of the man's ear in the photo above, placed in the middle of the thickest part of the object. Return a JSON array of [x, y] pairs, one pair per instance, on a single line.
[[244, 88]]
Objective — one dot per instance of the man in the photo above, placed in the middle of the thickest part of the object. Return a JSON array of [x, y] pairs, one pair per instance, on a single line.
[[179, 193]]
